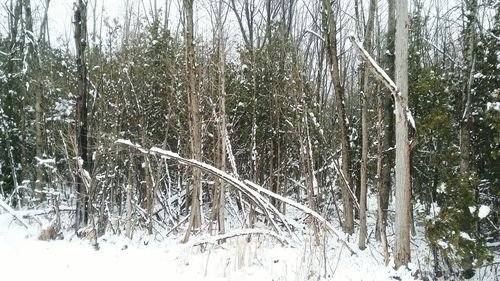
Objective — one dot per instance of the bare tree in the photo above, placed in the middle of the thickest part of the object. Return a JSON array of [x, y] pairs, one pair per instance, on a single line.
[[386, 140], [466, 120], [246, 19], [399, 91], [195, 219], [35, 88], [364, 123], [80, 22], [220, 12], [330, 29], [402, 253]]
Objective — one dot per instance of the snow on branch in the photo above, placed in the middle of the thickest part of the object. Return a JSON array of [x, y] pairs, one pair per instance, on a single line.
[[383, 77], [244, 232], [303, 208], [268, 209], [375, 68], [252, 190], [13, 213], [315, 34]]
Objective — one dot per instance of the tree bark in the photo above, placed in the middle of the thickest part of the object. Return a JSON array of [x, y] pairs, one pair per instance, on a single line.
[[387, 140], [195, 220], [381, 221], [364, 131], [308, 168], [466, 120], [402, 253], [128, 202], [80, 21], [148, 184], [218, 211], [35, 89], [331, 45]]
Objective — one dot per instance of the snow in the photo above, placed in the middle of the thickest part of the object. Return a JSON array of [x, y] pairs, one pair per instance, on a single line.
[[493, 106], [410, 119], [442, 244], [441, 188], [479, 76], [466, 236], [270, 254], [434, 211], [484, 211], [25, 258], [145, 257], [315, 34]]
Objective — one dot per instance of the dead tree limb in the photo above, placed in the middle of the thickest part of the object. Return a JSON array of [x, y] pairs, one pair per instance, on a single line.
[[244, 232], [248, 188], [305, 209], [13, 213], [267, 208], [381, 75]]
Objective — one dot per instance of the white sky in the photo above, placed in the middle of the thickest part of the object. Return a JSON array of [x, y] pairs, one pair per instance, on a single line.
[[61, 14]]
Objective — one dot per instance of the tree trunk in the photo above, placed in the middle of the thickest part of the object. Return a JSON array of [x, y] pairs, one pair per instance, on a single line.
[[403, 181], [308, 168], [364, 131], [466, 120], [387, 140], [331, 44], [35, 89], [195, 220], [149, 186], [80, 21], [381, 221], [218, 211], [222, 129], [128, 203]]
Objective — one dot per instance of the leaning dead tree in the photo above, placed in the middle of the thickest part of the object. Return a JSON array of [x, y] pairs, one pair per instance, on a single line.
[[249, 189]]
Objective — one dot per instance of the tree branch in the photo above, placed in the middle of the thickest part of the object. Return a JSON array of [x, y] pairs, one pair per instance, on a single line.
[[375, 68], [13, 213], [384, 78]]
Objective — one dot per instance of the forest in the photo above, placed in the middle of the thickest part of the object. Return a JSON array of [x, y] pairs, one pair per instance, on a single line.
[[346, 130]]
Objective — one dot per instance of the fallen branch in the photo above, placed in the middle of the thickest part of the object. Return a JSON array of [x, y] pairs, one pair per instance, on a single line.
[[252, 190], [13, 213], [305, 209], [266, 207], [178, 224], [244, 232]]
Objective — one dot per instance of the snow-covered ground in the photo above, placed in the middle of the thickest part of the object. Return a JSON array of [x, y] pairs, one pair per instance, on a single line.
[[24, 257]]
